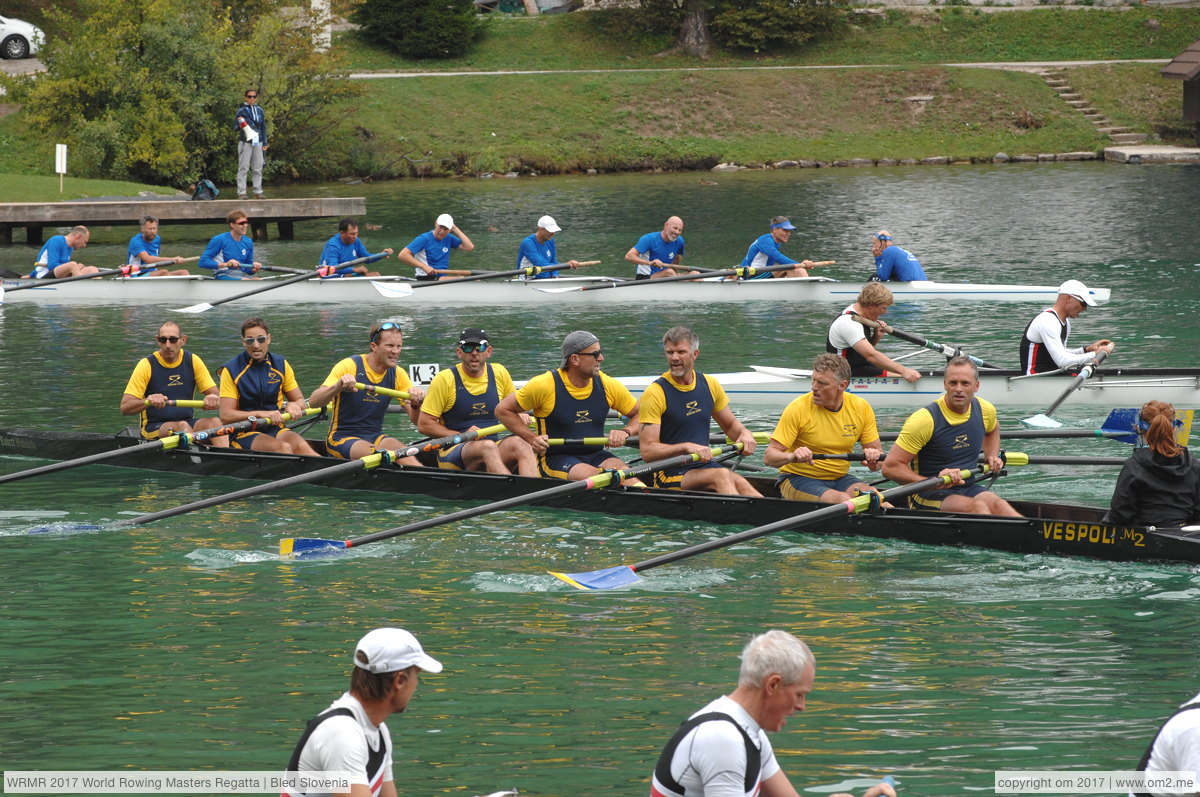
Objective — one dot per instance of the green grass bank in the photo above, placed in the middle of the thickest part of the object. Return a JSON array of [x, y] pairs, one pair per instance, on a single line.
[[698, 116]]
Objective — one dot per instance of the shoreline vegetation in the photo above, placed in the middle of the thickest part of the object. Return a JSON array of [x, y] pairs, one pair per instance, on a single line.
[[912, 111]]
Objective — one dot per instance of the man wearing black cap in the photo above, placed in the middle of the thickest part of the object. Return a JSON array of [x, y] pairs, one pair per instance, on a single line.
[[356, 428], [1044, 344], [572, 402], [463, 398], [351, 736]]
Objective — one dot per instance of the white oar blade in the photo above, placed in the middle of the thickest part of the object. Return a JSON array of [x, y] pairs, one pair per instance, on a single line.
[[1041, 422], [1, 294], [195, 308], [393, 290], [558, 290]]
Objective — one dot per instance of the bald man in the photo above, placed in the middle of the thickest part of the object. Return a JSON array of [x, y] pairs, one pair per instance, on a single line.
[[656, 252]]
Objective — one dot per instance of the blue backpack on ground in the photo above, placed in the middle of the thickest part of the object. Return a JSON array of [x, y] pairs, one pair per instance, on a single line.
[[205, 190]]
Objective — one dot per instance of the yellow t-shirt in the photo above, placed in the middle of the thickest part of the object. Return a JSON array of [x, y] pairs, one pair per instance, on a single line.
[[537, 396], [919, 427], [347, 366], [141, 374], [804, 423], [442, 390], [654, 401]]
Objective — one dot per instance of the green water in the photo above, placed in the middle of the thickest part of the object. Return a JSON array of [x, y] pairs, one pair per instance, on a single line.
[[188, 644]]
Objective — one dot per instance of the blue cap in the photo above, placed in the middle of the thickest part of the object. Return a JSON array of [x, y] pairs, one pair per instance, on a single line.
[[783, 225], [882, 236]]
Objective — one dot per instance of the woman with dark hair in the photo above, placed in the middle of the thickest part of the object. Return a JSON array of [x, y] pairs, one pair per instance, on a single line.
[[1159, 485]]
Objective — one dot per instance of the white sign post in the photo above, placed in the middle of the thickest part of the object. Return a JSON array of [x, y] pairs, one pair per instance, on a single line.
[[60, 163]]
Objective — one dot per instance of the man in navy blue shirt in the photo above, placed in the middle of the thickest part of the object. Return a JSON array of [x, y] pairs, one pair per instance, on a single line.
[[893, 263], [251, 125]]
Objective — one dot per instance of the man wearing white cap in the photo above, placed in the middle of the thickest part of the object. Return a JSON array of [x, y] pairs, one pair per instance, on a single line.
[[539, 250], [429, 252], [1044, 344], [350, 735]]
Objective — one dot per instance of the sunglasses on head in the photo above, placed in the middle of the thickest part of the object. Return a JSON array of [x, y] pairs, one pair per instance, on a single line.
[[168, 339], [473, 347], [384, 327], [259, 339]]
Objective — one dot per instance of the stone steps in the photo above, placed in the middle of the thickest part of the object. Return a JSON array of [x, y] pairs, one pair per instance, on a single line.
[[1118, 134]]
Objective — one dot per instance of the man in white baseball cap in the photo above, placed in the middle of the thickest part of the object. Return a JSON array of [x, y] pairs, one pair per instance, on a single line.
[[429, 252], [351, 736], [539, 253], [1044, 344]]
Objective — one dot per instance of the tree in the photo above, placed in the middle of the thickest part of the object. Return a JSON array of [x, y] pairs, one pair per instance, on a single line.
[[420, 28], [147, 89], [755, 25]]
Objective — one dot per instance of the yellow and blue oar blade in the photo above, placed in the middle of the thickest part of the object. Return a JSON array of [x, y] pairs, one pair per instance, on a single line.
[[302, 547], [1184, 432], [609, 578]]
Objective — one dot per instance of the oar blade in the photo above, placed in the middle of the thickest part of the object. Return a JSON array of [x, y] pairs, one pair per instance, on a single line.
[[309, 546], [608, 578], [1122, 423], [393, 290], [203, 307], [558, 290]]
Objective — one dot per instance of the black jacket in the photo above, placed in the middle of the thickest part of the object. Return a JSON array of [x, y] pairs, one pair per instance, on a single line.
[[1154, 490]]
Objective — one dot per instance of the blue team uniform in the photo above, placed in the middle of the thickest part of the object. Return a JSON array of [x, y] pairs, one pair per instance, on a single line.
[[139, 244], [533, 254], [53, 254], [222, 248], [764, 252], [337, 252], [432, 252], [652, 247], [898, 265]]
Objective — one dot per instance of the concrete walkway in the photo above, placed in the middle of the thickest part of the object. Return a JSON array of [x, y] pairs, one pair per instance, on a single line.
[[1021, 66]]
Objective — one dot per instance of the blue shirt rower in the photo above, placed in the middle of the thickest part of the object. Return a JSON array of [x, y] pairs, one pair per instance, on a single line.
[[539, 249], [347, 246], [656, 252], [230, 255], [765, 252], [145, 252], [893, 263], [429, 252]]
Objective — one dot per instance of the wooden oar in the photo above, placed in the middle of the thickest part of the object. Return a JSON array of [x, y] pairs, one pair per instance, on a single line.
[[182, 440], [1044, 421], [402, 290], [1015, 458], [302, 546], [726, 272], [366, 463], [940, 348], [319, 271], [621, 575]]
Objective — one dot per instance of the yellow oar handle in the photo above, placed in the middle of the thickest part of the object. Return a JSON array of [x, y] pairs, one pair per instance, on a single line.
[[759, 437], [383, 391], [194, 403]]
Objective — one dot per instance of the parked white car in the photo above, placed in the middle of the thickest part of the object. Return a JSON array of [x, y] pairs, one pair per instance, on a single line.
[[19, 39]]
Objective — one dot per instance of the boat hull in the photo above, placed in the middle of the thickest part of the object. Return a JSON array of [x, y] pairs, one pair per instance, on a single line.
[[1111, 387], [181, 291], [1047, 528]]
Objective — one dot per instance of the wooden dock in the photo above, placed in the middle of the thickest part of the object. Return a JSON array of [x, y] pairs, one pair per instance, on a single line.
[[36, 216]]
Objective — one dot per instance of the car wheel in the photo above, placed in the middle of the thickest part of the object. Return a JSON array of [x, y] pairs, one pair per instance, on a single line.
[[15, 47]]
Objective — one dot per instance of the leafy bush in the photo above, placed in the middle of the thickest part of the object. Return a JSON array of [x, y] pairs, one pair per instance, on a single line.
[[772, 24], [420, 28], [147, 90]]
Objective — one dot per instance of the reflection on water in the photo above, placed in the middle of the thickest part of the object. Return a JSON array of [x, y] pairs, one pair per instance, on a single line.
[[188, 643]]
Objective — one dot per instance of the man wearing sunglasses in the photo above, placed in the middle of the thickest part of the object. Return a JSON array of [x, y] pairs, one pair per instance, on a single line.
[[356, 428], [1044, 344], [251, 125], [463, 398], [572, 402], [230, 255], [164, 377], [259, 383]]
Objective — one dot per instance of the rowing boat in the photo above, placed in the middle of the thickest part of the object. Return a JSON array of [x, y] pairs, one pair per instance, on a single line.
[[1047, 528], [1110, 387], [178, 291]]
